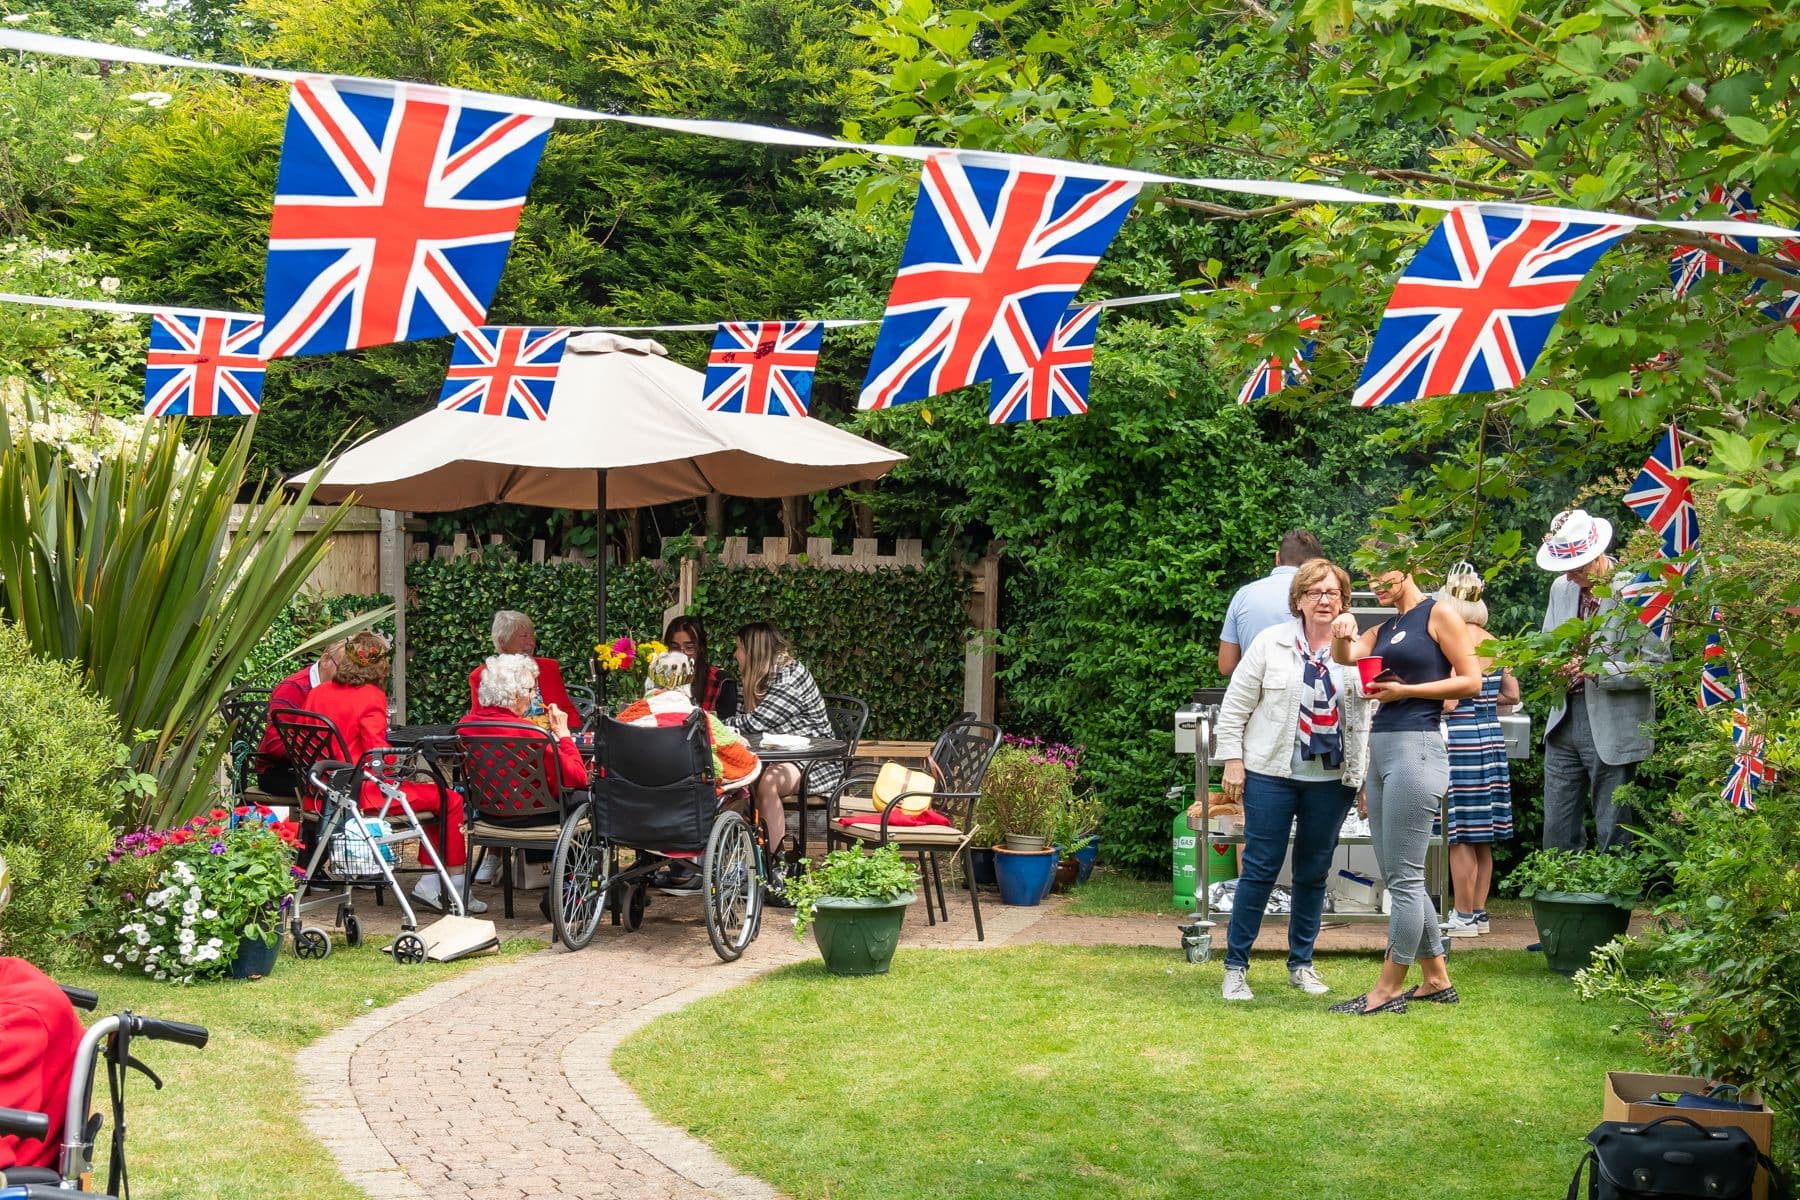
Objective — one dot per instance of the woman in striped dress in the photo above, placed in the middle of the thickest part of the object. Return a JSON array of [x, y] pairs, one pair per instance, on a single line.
[[1479, 802]]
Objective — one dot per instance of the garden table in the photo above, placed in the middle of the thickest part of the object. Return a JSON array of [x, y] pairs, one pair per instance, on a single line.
[[804, 752]]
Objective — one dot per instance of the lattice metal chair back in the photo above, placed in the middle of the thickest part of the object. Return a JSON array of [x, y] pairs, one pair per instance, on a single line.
[[510, 770], [585, 704], [848, 716], [308, 738], [961, 756], [245, 712]]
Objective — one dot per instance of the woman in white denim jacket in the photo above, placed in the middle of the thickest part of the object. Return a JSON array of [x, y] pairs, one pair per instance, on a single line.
[[1294, 734]]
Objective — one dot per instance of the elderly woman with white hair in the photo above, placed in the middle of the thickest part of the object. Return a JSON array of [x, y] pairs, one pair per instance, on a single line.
[[514, 633], [509, 686]]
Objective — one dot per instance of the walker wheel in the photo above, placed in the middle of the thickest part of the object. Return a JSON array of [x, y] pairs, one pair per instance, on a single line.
[[640, 900], [409, 948], [352, 931], [312, 943]]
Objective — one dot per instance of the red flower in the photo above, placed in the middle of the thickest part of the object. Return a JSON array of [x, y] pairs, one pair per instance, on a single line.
[[217, 814], [288, 832]]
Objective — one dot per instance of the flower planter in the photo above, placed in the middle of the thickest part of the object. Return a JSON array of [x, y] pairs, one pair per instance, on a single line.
[[858, 937], [1571, 924], [1085, 858], [255, 957], [1067, 872], [1024, 875], [1025, 842], [981, 864]]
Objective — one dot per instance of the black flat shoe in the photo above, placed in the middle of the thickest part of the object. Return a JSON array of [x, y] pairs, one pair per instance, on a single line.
[[1445, 995]]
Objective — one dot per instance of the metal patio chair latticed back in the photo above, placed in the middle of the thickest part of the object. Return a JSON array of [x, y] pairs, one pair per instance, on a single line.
[[245, 712]]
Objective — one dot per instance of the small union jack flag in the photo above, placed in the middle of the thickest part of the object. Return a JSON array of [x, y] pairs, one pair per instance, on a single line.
[[763, 367], [1687, 264], [1652, 596], [1052, 382], [1749, 768], [1716, 685], [1785, 307], [984, 241], [393, 215], [1272, 374], [203, 366], [1476, 305], [504, 371], [1664, 499]]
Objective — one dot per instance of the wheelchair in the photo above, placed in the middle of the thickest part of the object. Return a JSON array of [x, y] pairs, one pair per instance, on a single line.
[[658, 798], [107, 1040]]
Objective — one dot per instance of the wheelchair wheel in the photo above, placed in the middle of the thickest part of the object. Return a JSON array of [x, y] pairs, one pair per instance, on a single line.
[[311, 942], [352, 931], [638, 902], [580, 869], [733, 887]]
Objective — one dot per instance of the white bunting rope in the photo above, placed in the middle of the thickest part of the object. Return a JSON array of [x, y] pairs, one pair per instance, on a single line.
[[769, 135], [118, 306]]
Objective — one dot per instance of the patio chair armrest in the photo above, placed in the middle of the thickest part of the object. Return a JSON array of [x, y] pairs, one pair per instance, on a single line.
[[856, 775]]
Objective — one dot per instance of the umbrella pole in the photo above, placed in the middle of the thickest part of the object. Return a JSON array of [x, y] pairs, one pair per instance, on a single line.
[[600, 573]]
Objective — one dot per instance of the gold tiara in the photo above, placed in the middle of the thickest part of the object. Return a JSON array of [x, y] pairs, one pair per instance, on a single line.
[[1463, 582]]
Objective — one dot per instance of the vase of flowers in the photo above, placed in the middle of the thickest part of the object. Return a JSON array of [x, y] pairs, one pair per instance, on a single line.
[[199, 898], [626, 658]]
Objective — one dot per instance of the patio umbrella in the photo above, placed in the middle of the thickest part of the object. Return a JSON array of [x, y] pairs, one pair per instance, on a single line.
[[625, 429]]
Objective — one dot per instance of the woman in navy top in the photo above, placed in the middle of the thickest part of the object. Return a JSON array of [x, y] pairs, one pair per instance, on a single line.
[[1426, 659]]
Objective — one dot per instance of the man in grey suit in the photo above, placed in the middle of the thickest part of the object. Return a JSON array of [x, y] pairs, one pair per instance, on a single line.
[[1603, 728]]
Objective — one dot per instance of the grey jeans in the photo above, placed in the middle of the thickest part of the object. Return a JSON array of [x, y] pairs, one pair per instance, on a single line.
[[1573, 771], [1409, 772]]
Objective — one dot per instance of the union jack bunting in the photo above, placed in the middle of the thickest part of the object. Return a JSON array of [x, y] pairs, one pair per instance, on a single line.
[[1052, 381], [1749, 768], [1272, 374], [1716, 685], [1664, 499], [1476, 305], [1687, 264], [203, 366], [393, 215], [985, 241], [1785, 307], [763, 367], [504, 371], [1652, 597]]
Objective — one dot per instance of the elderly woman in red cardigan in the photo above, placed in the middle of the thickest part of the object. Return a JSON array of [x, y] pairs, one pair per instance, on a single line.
[[509, 684], [514, 633]]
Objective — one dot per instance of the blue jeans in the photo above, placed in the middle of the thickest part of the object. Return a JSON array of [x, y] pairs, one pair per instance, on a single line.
[[1314, 810]]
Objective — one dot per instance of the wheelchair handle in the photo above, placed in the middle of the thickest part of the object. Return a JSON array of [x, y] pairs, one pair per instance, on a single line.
[[22, 1123], [80, 997], [158, 1030]]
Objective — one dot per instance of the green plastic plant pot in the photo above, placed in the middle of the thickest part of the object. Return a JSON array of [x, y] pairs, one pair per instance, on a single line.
[[858, 937], [1572, 924]]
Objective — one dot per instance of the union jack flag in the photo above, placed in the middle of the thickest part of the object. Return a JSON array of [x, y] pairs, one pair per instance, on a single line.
[[504, 371], [1272, 374], [984, 241], [393, 215], [1687, 264], [763, 367], [1785, 307], [1476, 305], [1749, 768], [1664, 499], [203, 366], [1652, 596], [1051, 381], [1716, 686]]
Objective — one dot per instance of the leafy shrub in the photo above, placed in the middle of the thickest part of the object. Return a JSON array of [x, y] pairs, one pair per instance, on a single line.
[[850, 874], [306, 616], [63, 780], [1028, 790], [1618, 876]]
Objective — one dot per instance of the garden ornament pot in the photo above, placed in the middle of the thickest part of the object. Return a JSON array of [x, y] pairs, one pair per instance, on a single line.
[[858, 937], [1026, 842], [256, 958], [1572, 924], [1024, 875], [1085, 858]]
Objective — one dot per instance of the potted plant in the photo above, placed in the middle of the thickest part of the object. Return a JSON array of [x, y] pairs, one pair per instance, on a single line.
[[1580, 900], [1075, 838], [1027, 788], [855, 903], [203, 900]]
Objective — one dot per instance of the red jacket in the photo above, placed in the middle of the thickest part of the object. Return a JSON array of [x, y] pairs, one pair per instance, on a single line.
[[360, 714], [291, 692], [38, 1035], [550, 688], [485, 717]]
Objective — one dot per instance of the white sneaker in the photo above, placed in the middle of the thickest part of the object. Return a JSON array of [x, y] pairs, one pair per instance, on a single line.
[[1481, 922], [1237, 984], [1460, 926], [1308, 981], [489, 869], [429, 891]]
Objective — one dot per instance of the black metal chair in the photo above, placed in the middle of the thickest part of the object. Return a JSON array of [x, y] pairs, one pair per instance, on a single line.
[[514, 789], [848, 717], [959, 762], [245, 712], [585, 704]]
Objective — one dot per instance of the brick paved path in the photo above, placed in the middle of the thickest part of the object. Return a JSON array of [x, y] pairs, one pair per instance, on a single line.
[[498, 1085]]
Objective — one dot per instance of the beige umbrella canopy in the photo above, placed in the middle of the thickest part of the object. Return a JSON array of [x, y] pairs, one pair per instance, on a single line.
[[626, 429]]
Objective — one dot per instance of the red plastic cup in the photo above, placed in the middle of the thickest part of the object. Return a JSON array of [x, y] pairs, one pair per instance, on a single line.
[[1369, 668]]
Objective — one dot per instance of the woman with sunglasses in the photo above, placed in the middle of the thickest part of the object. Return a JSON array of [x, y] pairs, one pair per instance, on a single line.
[[1426, 658], [1293, 731]]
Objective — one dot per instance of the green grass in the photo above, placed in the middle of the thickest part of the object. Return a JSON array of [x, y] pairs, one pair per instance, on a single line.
[[227, 1125], [1118, 1072], [1110, 893]]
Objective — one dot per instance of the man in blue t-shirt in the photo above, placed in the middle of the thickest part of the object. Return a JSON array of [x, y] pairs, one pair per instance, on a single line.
[[1263, 603]]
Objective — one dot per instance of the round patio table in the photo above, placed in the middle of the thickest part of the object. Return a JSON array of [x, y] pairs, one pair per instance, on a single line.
[[814, 750]]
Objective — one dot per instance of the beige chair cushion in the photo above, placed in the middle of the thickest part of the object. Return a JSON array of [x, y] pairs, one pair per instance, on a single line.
[[514, 833], [930, 837]]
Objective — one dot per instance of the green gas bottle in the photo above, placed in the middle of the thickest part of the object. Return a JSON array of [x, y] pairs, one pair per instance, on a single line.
[[1184, 845]]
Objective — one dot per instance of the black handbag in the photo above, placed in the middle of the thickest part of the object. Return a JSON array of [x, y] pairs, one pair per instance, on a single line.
[[1672, 1158]]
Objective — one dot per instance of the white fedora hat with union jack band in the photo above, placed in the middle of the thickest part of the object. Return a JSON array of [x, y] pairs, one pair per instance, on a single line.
[[1575, 539]]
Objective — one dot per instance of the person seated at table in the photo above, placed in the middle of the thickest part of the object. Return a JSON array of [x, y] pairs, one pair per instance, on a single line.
[[509, 686], [668, 699], [514, 633], [274, 773], [715, 691], [38, 1035], [356, 702], [780, 696]]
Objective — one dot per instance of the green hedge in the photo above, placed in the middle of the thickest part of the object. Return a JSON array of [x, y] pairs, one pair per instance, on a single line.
[[892, 636], [307, 616]]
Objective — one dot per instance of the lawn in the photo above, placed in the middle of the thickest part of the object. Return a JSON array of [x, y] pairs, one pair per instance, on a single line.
[[227, 1124], [1118, 1072]]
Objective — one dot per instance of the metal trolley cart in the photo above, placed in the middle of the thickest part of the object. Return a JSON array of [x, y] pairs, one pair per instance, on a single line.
[[1194, 728]]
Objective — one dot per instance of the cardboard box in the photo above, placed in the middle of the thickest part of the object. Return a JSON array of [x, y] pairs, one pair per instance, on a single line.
[[1355, 893], [1626, 1092]]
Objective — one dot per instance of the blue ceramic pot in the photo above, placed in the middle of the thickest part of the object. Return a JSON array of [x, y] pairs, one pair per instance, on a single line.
[[1085, 858], [1024, 875], [981, 864]]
